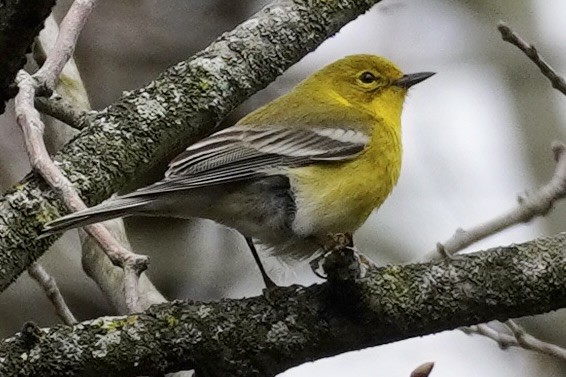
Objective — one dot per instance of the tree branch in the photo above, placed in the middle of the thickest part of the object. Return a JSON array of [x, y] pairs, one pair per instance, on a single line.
[[108, 277], [62, 110], [510, 36], [49, 286], [184, 104], [32, 126], [536, 204], [62, 51], [518, 338], [295, 324], [96, 263]]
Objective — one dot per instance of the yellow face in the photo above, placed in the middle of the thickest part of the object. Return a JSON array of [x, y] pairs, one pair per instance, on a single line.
[[361, 79], [365, 82]]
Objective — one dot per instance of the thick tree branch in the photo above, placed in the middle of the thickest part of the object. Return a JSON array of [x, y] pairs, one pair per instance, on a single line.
[[20, 22], [184, 104], [295, 324]]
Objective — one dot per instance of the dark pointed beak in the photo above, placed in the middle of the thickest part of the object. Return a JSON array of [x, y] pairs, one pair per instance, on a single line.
[[412, 79]]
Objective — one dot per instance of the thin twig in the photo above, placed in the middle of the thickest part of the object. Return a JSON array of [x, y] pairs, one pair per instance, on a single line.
[[536, 204], [33, 129], [70, 85], [70, 29], [47, 282], [109, 278], [510, 36], [60, 109], [519, 339], [71, 105]]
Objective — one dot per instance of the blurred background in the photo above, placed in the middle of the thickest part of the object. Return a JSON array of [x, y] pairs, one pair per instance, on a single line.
[[476, 136]]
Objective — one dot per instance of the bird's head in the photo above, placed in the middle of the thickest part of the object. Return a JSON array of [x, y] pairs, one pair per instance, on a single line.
[[367, 81]]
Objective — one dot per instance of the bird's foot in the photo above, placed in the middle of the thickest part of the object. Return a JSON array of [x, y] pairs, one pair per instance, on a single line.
[[338, 241], [340, 261]]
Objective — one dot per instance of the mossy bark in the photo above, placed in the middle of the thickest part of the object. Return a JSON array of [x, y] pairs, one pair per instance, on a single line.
[[287, 326]]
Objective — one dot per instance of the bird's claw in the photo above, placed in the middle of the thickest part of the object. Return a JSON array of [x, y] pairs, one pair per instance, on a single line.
[[340, 261]]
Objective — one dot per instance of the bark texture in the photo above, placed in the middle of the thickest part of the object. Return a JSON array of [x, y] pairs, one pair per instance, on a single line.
[[265, 335], [185, 103]]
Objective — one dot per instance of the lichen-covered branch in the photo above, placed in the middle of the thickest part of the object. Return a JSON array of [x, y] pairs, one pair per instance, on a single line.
[[292, 325], [184, 104], [20, 22]]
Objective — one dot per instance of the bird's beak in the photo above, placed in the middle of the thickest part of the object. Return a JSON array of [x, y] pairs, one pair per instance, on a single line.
[[411, 79]]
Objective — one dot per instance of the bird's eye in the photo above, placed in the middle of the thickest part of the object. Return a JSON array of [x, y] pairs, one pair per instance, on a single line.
[[367, 78]]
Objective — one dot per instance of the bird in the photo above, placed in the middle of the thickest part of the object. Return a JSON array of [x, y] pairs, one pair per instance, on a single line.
[[313, 162]]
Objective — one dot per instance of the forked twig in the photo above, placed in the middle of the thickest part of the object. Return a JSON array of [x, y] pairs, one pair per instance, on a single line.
[[33, 129], [517, 338]]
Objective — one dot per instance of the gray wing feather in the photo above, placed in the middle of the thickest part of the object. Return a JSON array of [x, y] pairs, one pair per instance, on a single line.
[[111, 209], [235, 154], [242, 152]]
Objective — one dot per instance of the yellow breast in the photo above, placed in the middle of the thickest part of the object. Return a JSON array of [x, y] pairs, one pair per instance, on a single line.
[[338, 197]]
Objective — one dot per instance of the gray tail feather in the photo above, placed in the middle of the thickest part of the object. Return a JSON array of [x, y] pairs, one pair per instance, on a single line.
[[112, 209]]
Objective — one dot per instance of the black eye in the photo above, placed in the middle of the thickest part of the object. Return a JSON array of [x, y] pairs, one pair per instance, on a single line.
[[367, 78]]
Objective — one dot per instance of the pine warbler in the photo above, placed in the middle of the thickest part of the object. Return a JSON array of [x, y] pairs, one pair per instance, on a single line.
[[315, 161]]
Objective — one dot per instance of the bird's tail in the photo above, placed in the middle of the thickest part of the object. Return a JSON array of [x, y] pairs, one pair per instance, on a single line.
[[111, 209]]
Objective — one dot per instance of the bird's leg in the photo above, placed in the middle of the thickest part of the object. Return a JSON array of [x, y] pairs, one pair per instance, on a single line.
[[266, 279]]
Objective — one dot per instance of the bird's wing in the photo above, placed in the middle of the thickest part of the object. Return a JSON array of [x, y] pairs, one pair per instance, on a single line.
[[242, 152]]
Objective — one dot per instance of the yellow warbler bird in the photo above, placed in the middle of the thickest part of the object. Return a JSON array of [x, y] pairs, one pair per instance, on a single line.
[[315, 161]]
